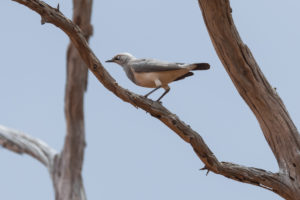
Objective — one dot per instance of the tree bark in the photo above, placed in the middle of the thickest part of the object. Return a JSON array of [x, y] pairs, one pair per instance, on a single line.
[[275, 122], [67, 176], [65, 168], [19, 142]]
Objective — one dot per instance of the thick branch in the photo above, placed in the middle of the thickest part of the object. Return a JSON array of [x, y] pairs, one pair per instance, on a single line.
[[276, 124], [242, 68], [236, 172], [67, 177], [19, 142]]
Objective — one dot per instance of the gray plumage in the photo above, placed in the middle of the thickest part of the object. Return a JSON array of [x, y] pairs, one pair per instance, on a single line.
[[152, 65], [154, 73]]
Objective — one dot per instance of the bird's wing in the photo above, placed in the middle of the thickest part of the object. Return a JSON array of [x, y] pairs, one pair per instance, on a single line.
[[151, 65]]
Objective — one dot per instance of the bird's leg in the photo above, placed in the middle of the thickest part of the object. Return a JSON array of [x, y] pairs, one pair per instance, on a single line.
[[167, 90], [152, 91]]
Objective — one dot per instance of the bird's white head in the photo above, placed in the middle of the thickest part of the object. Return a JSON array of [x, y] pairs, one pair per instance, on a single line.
[[121, 58]]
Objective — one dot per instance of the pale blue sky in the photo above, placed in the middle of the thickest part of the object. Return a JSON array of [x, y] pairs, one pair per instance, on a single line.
[[129, 154]]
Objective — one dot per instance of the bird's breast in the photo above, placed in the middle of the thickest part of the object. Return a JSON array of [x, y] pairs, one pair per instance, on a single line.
[[153, 79], [146, 79]]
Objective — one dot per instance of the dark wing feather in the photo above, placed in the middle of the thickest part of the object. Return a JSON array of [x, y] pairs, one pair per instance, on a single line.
[[201, 66], [184, 76], [151, 65]]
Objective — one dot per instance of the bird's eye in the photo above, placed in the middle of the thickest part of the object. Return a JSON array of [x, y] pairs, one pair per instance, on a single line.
[[117, 58]]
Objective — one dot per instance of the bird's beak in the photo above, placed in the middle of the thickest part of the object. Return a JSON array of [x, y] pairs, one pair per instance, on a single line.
[[111, 60]]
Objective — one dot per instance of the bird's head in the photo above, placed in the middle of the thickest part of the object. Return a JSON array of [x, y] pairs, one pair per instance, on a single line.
[[121, 58]]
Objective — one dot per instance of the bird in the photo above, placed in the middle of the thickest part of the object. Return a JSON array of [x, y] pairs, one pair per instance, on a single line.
[[151, 73]]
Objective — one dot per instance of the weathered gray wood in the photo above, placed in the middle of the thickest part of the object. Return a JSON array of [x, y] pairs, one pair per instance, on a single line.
[[19, 142], [237, 59], [276, 182], [65, 168], [67, 177]]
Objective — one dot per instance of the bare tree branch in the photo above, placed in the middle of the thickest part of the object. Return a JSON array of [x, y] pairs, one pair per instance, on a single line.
[[246, 75], [19, 142], [275, 122], [67, 173], [274, 182]]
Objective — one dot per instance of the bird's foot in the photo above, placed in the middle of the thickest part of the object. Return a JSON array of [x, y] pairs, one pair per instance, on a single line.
[[158, 101]]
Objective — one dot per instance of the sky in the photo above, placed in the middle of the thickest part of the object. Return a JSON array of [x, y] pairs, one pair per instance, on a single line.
[[129, 154]]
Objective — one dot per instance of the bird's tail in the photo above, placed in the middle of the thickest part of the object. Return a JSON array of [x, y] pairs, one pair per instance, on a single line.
[[200, 66]]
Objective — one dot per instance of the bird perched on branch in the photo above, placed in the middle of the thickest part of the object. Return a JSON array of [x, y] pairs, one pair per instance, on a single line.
[[156, 74]]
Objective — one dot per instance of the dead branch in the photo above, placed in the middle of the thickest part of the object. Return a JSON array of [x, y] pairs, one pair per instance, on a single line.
[[249, 78], [275, 122], [19, 142], [67, 173]]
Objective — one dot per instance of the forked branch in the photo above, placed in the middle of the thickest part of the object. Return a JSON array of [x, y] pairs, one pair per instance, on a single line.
[[275, 122], [243, 174]]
